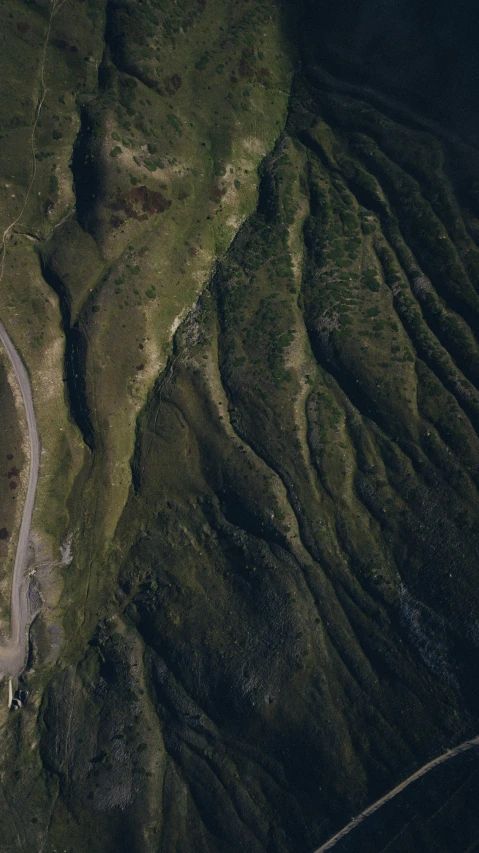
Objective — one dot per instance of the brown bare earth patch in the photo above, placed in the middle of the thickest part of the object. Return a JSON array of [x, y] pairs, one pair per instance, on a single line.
[[172, 84], [217, 193], [141, 202], [64, 45], [245, 69]]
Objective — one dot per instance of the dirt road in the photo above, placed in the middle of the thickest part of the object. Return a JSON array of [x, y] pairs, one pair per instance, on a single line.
[[446, 756]]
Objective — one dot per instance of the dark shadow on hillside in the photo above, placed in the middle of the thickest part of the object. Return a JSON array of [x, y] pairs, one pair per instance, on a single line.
[[75, 360]]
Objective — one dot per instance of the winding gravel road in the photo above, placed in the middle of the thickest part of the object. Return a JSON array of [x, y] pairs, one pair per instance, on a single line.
[[13, 653]]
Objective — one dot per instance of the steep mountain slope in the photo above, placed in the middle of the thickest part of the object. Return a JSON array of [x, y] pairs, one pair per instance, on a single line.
[[271, 616]]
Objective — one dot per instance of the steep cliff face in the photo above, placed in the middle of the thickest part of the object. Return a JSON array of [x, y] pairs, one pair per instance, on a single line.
[[272, 613]]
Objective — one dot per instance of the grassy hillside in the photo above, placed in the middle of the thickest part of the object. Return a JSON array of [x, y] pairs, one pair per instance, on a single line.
[[259, 338]]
